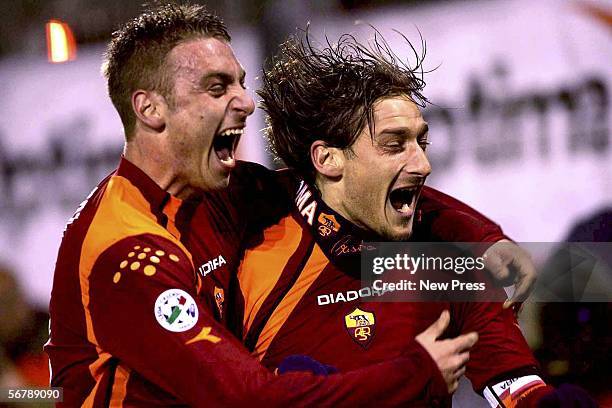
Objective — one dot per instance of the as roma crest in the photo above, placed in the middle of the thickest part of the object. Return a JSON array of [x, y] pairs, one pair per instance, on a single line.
[[360, 326]]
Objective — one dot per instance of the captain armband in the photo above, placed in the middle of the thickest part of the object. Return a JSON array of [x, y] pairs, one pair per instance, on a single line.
[[508, 393]]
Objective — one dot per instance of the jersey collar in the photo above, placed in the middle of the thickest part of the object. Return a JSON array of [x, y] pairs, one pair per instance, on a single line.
[[154, 194], [341, 241]]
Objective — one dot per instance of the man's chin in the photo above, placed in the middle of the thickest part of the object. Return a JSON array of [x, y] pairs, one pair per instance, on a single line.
[[398, 234], [401, 237], [220, 184], [215, 180], [402, 232]]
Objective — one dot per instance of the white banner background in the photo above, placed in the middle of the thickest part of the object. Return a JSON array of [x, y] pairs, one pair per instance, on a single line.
[[515, 55]]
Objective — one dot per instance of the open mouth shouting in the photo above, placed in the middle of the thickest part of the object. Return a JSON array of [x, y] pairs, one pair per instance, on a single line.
[[403, 197], [224, 145]]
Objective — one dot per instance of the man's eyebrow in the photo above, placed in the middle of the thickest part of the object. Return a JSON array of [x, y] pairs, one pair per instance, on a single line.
[[216, 75], [424, 129], [404, 131]]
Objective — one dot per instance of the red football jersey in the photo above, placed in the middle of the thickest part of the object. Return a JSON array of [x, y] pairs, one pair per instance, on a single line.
[[301, 293], [139, 287]]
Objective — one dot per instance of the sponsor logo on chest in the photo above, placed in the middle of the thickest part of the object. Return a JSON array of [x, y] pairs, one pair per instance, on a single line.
[[348, 296], [211, 265]]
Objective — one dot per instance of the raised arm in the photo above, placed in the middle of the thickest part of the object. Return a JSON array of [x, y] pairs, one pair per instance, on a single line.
[[151, 321]]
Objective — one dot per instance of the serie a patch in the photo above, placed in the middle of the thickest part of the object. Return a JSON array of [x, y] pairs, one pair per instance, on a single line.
[[361, 326], [176, 311]]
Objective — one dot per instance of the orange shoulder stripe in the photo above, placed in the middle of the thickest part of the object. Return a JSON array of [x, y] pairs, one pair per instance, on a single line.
[[122, 212], [170, 210], [262, 266], [312, 270]]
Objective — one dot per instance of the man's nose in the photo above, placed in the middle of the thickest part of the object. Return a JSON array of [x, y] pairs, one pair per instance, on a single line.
[[243, 102], [418, 163]]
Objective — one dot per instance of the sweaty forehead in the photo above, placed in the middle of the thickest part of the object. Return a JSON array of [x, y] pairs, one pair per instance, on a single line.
[[196, 57], [397, 108]]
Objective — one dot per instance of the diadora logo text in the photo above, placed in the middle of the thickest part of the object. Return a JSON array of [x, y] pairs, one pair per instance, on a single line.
[[211, 265]]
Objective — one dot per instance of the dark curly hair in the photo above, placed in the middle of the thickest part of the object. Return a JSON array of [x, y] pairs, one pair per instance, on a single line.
[[136, 56], [328, 93]]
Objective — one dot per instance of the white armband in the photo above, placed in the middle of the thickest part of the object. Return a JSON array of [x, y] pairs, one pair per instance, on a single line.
[[506, 394]]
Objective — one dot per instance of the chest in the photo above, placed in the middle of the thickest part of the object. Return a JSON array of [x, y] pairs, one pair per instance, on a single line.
[[213, 239], [337, 314]]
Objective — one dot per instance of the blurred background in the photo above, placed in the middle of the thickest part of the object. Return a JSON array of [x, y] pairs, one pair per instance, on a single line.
[[519, 125]]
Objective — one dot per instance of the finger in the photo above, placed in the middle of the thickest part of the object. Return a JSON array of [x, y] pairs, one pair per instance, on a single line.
[[521, 292], [526, 277], [494, 262], [496, 267], [461, 360], [453, 387], [504, 276], [438, 327], [459, 372], [464, 342]]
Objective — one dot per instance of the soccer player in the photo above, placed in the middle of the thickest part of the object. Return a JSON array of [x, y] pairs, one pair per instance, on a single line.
[[347, 119], [132, 322]]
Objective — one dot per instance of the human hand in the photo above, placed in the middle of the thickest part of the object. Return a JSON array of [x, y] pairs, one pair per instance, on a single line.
[[450, 355], [300, 362], [508, 262]]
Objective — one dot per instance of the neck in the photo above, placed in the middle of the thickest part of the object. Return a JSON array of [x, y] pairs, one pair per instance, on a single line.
[[332, 194], [151, 156]]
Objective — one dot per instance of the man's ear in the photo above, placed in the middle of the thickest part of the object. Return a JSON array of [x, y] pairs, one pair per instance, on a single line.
[[329, 161], [150, 109]]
